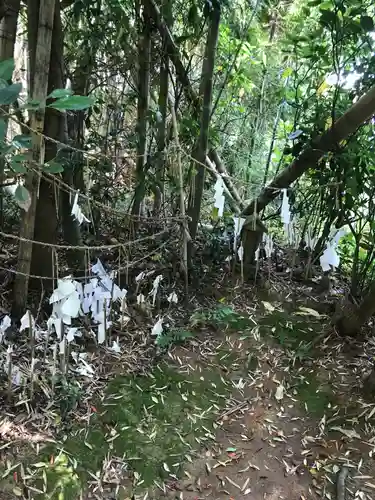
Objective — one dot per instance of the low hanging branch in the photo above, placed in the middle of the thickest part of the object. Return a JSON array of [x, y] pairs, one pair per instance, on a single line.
[[347, 124], [190, 94]]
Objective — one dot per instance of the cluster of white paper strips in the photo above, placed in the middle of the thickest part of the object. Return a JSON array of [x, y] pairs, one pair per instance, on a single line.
[[329, 259], [72, 299]]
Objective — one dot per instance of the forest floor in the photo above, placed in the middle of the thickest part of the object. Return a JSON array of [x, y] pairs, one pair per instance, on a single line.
[[265, 402]]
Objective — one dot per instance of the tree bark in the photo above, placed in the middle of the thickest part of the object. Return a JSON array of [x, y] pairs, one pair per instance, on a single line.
[[347, 124], [354, 318], [181, 72], [144, 56], [8, 31], [200, 150], [173, 52], [50, 209], [163, 107], [40, 48]]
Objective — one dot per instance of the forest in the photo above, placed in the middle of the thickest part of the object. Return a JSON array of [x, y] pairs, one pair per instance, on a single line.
[[187, 261]]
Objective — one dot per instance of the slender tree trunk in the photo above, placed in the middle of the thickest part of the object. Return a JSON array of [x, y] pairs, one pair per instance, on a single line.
[[166, 10], [200, 150], [40, 55], [8, 31], [347, 124], [273, 138], [174, 56], [144, 54], [220, 167]]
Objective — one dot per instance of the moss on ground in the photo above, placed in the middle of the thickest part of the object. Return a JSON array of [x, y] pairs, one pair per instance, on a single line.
[[152, 423]]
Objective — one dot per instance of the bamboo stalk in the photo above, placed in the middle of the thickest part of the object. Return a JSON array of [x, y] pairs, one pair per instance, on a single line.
[[39, 80], [185, 231]]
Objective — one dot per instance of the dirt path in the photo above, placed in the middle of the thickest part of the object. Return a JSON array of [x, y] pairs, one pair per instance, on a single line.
[[250, 409], [289, 428], [258, 451]]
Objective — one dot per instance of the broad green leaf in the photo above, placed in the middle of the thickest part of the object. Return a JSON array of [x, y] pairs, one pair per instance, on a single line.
[[22, 197], [328, 17], [287, 72], [367, 23], [6, 69], [19, 158], [2, 129], [53, 167], [17, 167], [31, 104], [72, 103], [9, 94], [59, 93], [326, 6], [22, 141]]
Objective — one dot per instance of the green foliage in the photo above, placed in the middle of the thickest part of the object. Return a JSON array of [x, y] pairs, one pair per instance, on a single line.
[[22, 141], [60, 93], [68, 393], [221, 317], [150, 421], [2, 130], [72, 103], [6, 69], [174, 336], [53, 167], [10, 93], [16, 164], [367, 23]]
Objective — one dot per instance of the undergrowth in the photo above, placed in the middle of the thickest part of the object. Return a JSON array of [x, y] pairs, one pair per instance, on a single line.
[[152, 423]]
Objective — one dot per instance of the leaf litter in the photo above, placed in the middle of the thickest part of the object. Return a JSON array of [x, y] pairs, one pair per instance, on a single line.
[[262, 436]]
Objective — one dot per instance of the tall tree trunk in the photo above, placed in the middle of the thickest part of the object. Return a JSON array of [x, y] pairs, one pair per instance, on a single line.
[[181, 71], [166, 10], [347, 124], [354, 318], [40, 54], [48, 207], [8, 31], [200, 150], [144, 55]]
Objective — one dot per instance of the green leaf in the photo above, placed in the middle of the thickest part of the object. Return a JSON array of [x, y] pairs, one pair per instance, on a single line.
[[9, 94], [287, 72], [2, 129], [22, 141], [6, 69], [326, 6], [328, 17], [59, 93], [19, 158], [367, 23], [72, 103], [53, 167], [31, 104], [17, 167]]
